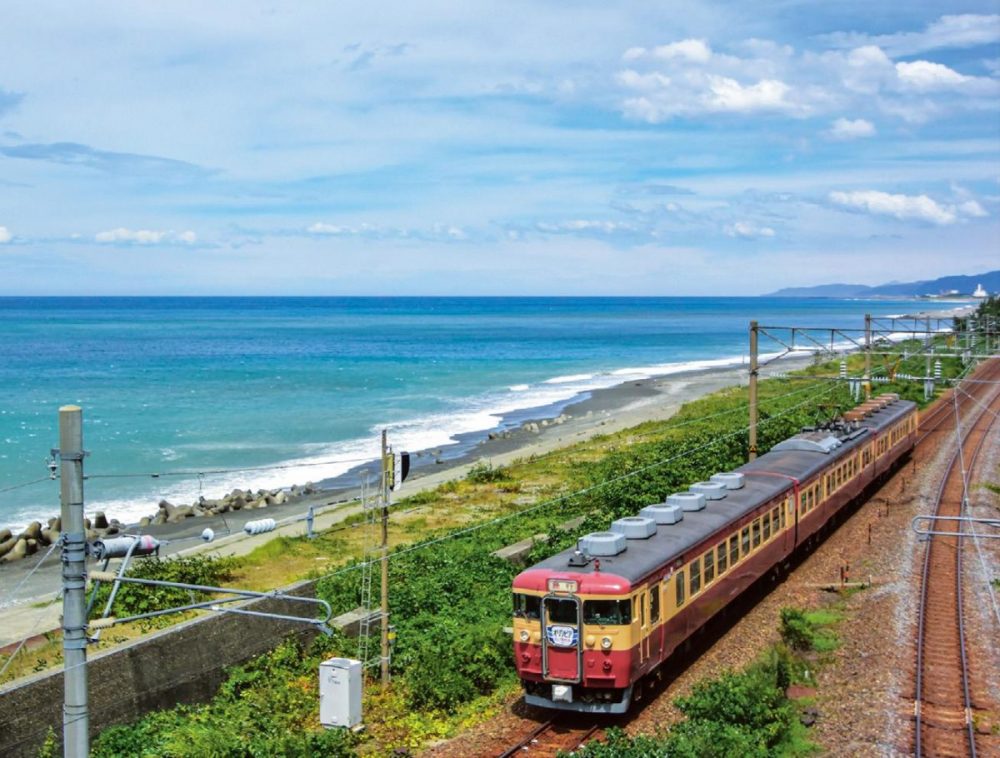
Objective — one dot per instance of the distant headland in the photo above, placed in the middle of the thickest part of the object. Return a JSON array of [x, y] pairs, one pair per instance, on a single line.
[[976, 285]]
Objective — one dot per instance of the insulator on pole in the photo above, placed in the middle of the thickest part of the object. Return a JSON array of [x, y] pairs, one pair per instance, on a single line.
[[260, 526], [119, 547]]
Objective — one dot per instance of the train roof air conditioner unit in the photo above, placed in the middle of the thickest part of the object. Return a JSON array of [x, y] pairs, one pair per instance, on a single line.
[[688, 501], [634, 527], [711, 490], [602, 544]]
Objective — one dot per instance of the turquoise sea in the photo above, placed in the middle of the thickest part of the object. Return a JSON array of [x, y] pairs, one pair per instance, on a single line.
[[300, 387]]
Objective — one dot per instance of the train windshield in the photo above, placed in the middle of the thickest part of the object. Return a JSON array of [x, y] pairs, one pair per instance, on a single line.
[[607, 612], [560, 611], [527, 606]]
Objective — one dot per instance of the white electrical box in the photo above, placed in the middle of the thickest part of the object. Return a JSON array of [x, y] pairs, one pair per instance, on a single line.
[[340, 692]]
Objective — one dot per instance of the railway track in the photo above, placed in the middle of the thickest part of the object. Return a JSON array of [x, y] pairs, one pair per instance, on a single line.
[[552, 737], [944, 706]]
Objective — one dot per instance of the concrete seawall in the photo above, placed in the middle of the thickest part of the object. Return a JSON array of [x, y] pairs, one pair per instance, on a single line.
[[183, 664]]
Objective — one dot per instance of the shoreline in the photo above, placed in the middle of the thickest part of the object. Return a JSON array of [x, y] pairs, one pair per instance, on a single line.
[[601, 411]]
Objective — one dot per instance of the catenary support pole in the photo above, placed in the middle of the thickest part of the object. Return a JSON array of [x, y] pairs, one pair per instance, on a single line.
[[385, 558], [753, 391], [868, 357], [76, 721]]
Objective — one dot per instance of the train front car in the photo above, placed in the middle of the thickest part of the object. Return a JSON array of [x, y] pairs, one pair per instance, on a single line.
[[573, 638]]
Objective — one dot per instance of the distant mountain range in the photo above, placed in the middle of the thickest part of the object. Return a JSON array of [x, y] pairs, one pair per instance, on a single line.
[[963, 285]]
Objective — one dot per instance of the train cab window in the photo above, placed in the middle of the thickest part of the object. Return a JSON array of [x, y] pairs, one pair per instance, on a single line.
[[756, 533], [767, 526], [709, 562], [654, 604], [745, 539], [561, 610], [606, 612], [721, 558], [695, 584], [734, 550], [679, 588], [527, 606]]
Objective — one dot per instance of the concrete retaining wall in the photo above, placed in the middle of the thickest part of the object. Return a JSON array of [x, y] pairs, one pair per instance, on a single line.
[[183, 664]]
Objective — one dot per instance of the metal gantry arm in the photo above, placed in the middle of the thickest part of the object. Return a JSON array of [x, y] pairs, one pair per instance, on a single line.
[[214, 604], [927, 531]]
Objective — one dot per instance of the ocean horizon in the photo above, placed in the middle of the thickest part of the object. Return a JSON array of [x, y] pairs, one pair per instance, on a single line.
[[213, 393]]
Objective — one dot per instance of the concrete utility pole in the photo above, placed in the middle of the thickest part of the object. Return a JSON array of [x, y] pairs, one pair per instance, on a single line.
[[386, 486], [753, 391], [868, 356], [76, 721]]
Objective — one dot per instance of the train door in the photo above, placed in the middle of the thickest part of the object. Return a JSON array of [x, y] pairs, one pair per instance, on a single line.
[[561, 651], [643, 600], [655, 613]]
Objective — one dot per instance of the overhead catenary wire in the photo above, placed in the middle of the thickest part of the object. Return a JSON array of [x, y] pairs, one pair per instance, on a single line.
[[31, 633], [965, 492], [13, 487], [204, 472], [34, 568], [562, 498]]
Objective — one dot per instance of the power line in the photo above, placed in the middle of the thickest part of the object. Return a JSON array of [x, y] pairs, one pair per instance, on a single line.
[[26, 484], [203, 472], [567, 496]]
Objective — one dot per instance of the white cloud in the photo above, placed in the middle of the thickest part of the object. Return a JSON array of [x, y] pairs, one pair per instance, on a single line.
[[121, 235], [333, 229], [5, 235], [948, 32], [846, 129], [694, 50], [584, 226], [925, 76], [903, 207], [730, 95], [972, 208], [748, 231], [436, 232]]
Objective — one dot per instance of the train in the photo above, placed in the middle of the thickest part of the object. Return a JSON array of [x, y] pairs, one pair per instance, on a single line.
[[591, 623]]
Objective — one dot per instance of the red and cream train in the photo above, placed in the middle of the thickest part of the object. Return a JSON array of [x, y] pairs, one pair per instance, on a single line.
[[590, 623]]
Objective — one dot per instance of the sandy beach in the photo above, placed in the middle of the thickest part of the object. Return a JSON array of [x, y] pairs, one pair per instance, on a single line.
[[540, 433]]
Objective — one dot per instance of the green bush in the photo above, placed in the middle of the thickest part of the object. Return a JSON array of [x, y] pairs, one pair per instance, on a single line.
[[808, 630], [485, 472], [456, 664], [796, 632]]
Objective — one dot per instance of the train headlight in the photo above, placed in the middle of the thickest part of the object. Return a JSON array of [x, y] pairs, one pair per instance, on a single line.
[[590, 640], [525, 635], [605, 643]]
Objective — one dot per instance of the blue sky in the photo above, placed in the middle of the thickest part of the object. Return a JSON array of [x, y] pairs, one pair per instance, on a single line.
[[643, 148]]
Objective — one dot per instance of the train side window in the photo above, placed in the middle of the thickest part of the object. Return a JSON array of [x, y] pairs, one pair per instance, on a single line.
[[527, 606], [606, 612], [745, 537], [781, 517], [654, 604], [695, 584], [767, 526], [734, 550], [721, 558], [756, 533], [679, 586], [775, 526], [709, 562]]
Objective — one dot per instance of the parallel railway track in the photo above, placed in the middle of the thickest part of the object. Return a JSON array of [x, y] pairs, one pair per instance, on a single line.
[[943, 704]]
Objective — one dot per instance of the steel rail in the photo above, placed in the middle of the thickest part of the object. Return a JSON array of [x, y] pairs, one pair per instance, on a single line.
[[525, 744]]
